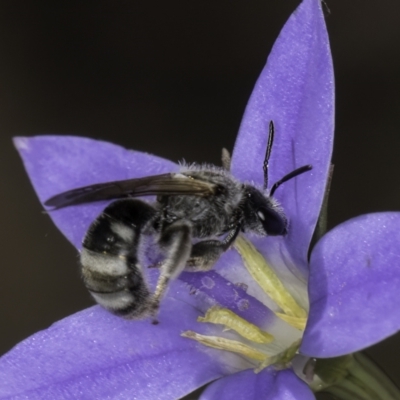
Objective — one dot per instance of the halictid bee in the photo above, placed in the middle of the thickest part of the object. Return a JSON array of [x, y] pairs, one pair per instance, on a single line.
[[201, 202]]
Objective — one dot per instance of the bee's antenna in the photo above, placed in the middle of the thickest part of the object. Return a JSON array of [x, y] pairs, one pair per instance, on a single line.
[[289, 176], [268, 153]]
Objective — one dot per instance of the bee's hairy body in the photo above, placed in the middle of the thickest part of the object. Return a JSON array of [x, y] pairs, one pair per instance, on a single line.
[[109, 258], [202, 203], [208, 216]]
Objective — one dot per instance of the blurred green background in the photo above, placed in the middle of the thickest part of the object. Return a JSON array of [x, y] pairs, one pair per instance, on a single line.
[[173, 78]]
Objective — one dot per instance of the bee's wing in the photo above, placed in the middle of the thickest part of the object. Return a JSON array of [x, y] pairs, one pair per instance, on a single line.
[[165, 184]]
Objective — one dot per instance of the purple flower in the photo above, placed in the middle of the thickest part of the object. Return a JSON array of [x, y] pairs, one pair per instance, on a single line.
[[353, 273]]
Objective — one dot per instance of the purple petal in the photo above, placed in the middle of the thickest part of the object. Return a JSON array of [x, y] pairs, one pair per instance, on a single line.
[[95, 355], [354, 286], [216, 289], [59, 163], [296, 91], [269, 384]]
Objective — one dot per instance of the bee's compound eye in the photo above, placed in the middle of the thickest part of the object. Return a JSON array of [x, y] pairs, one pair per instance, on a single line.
[[272, 221]]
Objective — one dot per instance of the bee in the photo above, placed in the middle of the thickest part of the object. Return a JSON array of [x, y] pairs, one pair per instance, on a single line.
[[205, 204]]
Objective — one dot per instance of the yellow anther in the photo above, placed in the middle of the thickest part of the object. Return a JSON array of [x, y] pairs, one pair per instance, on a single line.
[[227, 344], [266, 277], [223, 316], [298, 323]]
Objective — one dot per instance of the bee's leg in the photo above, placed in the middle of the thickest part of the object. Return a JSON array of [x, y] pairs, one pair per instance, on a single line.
[[206, 253], [176, 240], [110, 267]]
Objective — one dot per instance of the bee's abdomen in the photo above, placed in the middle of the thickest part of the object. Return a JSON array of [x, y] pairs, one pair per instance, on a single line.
[[110, 266]]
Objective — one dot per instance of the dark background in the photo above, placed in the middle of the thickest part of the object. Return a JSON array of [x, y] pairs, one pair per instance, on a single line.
[[173, 78]]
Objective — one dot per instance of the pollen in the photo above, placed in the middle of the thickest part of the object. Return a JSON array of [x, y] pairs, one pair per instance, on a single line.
[[253, 342], [298, 323], [221, 343], [231, 321], [267, 279]]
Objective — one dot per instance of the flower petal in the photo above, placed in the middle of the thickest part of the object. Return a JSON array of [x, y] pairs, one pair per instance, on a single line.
[[228, 287], [269, 384], [215, 289], [95, 355], [59, 163], [296, 91], [354, 286]]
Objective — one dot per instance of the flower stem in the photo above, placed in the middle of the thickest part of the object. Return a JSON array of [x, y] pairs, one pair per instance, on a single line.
[[355, 377]]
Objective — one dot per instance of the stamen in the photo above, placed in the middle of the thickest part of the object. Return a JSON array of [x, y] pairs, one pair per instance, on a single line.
[[223, 316], [280, 354], [280, 360], [267, 279], [298, 323], [226, 344]]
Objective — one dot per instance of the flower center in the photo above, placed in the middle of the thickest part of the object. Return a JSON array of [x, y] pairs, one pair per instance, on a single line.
[[255, 343]]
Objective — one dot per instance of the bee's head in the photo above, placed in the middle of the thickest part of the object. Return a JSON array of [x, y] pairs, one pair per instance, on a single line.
[[262, 214]]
